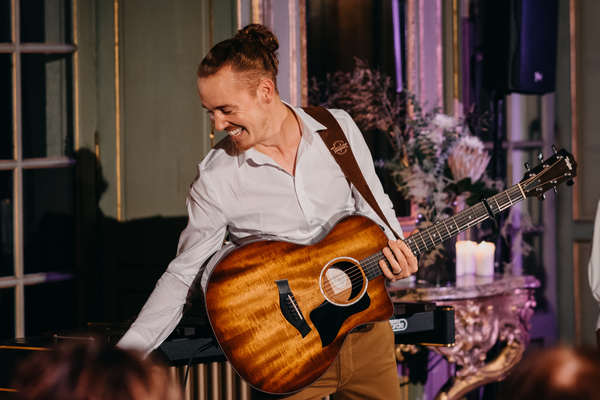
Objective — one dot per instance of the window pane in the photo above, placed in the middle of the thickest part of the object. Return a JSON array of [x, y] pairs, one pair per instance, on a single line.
[[7, 313], [5, 21], [45, 21], [49, 227], [50, 307], [6, 224], [6, 107], [47, 105]]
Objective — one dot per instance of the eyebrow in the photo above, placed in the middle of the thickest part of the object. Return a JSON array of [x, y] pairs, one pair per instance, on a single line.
[[220, 107]]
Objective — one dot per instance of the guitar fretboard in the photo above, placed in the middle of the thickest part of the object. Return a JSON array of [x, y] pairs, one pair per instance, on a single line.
[[430, 237]]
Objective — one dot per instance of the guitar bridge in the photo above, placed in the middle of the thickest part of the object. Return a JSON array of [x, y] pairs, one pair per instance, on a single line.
[[289, 308]]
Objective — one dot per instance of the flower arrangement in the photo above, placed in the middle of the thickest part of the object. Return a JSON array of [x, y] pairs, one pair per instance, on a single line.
[[437, 159], [438, 162]]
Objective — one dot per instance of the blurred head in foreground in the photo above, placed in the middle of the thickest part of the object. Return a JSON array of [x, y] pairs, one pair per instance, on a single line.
[[91, 372], [559, 373]]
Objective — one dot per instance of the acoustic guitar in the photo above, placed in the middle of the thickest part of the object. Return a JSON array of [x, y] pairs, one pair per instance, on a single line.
[[281, 311]]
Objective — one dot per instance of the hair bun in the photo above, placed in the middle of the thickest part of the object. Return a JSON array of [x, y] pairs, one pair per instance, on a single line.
[[259, 33]]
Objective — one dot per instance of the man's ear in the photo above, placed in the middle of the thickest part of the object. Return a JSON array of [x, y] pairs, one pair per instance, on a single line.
[[266, 90]]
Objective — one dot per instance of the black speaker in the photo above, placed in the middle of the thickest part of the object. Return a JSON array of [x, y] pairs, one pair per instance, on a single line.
[[519, 45]]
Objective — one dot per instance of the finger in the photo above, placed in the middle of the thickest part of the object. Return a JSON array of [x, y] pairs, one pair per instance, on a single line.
[[392, 269], [413, 261], [397, 262], [387, 268], [405, 256]]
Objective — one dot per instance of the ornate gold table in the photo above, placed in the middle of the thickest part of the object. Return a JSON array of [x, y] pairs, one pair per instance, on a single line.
[[487, 310]]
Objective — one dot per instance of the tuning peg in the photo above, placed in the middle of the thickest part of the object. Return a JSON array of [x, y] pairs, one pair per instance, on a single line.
[[542, 197], [541, 157], [527, 167], [570, 182], [554, 149], [555, 189]]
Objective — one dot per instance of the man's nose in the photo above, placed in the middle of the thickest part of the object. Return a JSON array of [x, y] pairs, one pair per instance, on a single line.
[[220, 122]]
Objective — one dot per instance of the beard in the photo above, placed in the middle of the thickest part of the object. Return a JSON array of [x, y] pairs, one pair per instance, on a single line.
[[261, 132], [243, 146]]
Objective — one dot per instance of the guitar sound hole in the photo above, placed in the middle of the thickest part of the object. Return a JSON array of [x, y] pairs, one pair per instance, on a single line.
[[343, 281]]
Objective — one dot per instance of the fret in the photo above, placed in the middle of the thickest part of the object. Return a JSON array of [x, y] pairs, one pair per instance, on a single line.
[[445, 226], [519, 195], [439, 235], [432, 241], [460, 226], [498, 205], [476, 210], [414, 250], [453, 220], [411, 245], [481, 211], [509, 200], [411, 240], [472, 211], [420, 235], [501, 203], [521, 189]]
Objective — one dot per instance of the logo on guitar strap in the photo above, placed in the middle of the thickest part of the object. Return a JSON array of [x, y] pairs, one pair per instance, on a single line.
[[340, 147]]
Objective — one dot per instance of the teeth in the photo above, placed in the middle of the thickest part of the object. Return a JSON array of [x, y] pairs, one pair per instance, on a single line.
[[235, 132]]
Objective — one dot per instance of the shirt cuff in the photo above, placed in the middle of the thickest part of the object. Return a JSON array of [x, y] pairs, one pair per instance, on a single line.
[[134, 341]]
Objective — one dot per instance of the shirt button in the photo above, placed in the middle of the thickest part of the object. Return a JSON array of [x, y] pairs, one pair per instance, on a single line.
[[312, 220]]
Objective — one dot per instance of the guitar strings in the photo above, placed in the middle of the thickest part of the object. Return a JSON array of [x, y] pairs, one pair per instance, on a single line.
[[370, 265], [541, 175]]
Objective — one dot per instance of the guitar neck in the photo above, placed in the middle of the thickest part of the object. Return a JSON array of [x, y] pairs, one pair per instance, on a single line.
[[432, 236]]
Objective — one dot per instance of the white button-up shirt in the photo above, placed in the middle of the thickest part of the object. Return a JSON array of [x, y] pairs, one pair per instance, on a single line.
[[594, 263], [248, 194]]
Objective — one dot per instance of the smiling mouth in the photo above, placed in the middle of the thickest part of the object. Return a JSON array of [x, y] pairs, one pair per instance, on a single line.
[[235, 132]]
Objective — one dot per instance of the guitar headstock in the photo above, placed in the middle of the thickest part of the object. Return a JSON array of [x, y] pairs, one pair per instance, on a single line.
[[559, 168]]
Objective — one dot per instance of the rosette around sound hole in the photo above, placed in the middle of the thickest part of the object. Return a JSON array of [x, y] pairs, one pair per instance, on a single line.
[[343, 281]]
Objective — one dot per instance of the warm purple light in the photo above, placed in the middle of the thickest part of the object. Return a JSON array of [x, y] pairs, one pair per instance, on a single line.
[[397, 44]]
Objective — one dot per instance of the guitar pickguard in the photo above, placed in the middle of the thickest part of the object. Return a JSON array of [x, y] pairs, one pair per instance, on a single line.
[[329, 318]]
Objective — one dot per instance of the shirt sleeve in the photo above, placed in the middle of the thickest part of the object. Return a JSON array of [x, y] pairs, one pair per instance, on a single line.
[[365, 162], [202, 237], [594, 264]]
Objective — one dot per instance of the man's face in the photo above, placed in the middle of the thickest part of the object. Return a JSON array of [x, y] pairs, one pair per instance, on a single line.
[[234, 109]]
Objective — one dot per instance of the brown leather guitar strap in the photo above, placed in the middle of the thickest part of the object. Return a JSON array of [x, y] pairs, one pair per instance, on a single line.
[[336, 142]]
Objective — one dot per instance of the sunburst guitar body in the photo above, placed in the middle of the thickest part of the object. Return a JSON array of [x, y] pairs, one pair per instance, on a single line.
[[283, 319]]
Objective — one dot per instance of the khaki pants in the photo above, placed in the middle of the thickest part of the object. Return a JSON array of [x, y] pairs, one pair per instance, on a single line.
[[365, 369]]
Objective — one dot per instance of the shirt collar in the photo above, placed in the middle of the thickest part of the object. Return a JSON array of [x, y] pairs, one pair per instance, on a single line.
[[310, 127]]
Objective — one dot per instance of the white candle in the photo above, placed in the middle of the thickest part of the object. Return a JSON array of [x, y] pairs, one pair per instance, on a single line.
[[484, 259], [465, 280], [465, 257]]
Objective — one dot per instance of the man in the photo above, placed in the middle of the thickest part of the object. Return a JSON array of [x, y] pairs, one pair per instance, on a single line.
[[273, 175]]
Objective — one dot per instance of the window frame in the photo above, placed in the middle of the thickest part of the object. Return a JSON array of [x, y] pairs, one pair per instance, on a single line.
[[20, 279]]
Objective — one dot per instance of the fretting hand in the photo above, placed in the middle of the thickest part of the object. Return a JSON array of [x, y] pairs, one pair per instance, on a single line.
[[401, 259]]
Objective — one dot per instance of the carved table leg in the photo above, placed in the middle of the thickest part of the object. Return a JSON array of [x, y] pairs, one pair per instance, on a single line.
[[480, 324]]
